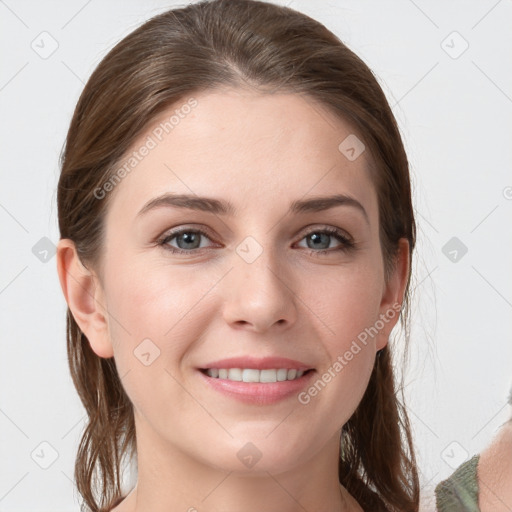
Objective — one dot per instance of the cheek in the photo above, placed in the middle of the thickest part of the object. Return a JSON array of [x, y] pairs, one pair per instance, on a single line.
[[154, 302], [346, 302], [158, 313], [155, 318], [347, 306]]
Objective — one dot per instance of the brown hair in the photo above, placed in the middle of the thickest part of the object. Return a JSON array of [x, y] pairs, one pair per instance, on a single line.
[[240, 43]]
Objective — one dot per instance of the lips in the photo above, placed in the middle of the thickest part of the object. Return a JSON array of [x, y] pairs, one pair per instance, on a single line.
[[258, 393]]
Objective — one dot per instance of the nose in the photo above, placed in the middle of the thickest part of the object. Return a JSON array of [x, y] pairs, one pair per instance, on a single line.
[[259, 295]]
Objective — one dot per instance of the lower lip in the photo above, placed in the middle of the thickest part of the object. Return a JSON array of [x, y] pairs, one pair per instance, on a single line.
[[257, 392]]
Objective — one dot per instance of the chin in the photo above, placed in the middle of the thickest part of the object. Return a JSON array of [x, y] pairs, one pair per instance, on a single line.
[[256, 457]]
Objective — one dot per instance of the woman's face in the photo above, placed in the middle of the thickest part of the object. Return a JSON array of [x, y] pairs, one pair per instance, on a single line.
[[248, 282]]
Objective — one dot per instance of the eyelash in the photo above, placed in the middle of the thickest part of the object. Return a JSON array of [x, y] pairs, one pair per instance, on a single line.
[[346, 243]]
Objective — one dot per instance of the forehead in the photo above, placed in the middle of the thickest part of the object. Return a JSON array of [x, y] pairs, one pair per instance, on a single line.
[[248, 147]]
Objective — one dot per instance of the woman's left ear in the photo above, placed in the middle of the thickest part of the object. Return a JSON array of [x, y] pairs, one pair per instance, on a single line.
[[393, 294]]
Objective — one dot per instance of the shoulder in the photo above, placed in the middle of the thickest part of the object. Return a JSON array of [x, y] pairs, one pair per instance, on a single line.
[[460, 490], [495, 472]]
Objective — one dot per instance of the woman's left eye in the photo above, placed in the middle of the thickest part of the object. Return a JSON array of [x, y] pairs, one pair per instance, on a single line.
[[189, 240], [320, 237]]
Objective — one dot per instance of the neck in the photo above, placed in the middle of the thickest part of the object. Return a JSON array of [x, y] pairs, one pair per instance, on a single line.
[[169, 479]]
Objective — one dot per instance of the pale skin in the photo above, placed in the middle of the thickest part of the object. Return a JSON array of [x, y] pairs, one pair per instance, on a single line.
[[260, 152], [495, 473]]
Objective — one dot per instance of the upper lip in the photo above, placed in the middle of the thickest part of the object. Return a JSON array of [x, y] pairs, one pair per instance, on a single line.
[[265, 363]]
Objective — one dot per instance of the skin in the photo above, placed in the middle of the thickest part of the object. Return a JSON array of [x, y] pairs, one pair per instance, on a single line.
[[260, 152], [495, 473]]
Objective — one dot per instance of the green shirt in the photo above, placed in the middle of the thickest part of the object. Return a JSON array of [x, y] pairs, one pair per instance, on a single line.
[[459, 492]]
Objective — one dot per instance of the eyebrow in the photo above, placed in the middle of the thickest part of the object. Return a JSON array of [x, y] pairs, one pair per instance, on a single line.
[[221, 207]]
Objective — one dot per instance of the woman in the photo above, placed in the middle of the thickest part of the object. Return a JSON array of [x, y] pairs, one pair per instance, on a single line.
[[236, 243]]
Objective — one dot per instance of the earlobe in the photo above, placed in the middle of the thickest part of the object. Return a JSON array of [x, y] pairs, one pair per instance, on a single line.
[[393, 294], [84, 296]]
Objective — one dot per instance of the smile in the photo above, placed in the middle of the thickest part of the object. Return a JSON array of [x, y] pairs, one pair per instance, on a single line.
[[254, 375], [257, 387]]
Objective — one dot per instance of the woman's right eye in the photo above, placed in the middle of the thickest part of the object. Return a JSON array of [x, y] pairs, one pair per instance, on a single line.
[[188, 239]]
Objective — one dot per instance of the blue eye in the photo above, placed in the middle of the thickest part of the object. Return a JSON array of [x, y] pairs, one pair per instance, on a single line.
[[188, 238], [321, 236], [188, 241]]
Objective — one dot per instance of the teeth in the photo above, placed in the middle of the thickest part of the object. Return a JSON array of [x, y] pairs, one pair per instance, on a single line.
[[253, 375], [281, 374]]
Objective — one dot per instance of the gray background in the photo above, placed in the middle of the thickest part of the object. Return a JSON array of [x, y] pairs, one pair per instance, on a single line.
[[454, 107]]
